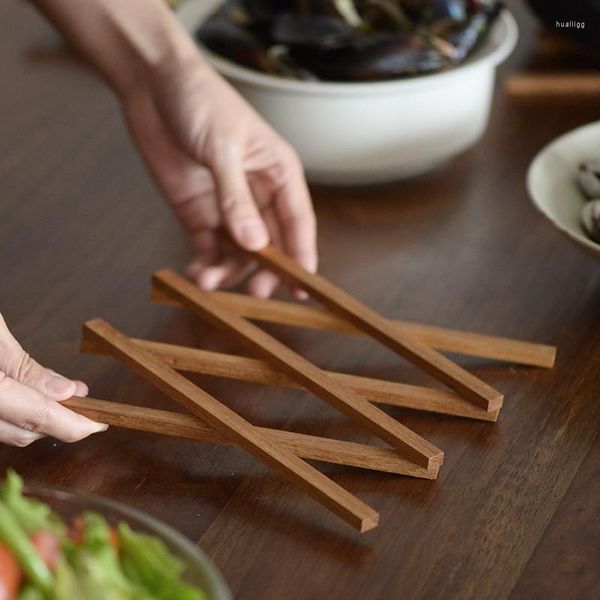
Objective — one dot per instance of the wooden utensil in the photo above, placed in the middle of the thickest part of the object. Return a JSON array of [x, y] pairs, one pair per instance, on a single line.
[[231, 425], [306, 373], [363, 317], [447, 340], [310, 447], [193, 360]]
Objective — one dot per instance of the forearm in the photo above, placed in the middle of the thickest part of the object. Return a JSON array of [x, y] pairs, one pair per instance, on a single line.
[[126, 40]]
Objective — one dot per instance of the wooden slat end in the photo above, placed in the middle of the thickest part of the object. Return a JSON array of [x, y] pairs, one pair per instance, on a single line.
[[370, 523]]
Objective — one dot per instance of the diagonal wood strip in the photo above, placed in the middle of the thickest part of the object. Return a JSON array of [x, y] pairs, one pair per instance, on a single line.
[[231, 425], [241, 368], [310, 376], [447, 340], [310, 447], [360, 315]]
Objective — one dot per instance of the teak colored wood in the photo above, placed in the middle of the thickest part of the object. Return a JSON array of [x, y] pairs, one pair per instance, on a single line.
[[311, 377], [231, 425], [310, 447], [448, 340], [514, 514], [363, 317], [554, 84], [193, 360]]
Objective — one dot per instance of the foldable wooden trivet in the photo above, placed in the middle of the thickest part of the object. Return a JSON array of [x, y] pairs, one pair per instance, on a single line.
[[281, 450]]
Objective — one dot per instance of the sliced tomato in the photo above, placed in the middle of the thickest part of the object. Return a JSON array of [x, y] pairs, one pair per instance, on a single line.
[[10, 574], [76, 530], [113, 538], [77, 533], [47, 544]]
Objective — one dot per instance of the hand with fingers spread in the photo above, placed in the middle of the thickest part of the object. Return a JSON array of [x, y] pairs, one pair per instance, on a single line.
[[233, 183], [30, 397]]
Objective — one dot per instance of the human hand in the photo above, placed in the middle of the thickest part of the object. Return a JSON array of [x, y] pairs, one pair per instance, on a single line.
[[30, 397], [232, 181]]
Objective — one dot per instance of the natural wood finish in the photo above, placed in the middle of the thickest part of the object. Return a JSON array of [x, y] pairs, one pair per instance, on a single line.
[[305, 446], [339, 301], [559, 83], [512, 515], [448, 340], [310, 376], [231, 425], [194, 360]]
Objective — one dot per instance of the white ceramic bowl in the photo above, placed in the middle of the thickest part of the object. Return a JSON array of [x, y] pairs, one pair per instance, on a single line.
[[358, 133], [552, 185]]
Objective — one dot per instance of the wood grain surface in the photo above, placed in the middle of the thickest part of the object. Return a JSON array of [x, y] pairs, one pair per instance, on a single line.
[[231, 366], [450, 340], [375, 325], [514, 512], [302, 370], [230, 424], [163, 422]]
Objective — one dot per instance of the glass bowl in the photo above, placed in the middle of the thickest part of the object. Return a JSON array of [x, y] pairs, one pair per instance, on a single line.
[[199, 571]]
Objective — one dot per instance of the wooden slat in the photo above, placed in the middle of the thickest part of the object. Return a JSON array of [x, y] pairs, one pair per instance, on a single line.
[[342, 303], [310, 447], [193, 360], [523, 85], [447, 340], [231, 425], [310, 376]]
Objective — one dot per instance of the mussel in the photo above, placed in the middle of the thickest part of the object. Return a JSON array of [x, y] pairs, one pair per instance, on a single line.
[[590, 219], [224, 37], [588, 178], [371, 58], [348, 40]]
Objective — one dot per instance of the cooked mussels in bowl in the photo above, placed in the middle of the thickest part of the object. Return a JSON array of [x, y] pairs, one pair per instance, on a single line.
[[348, 40]]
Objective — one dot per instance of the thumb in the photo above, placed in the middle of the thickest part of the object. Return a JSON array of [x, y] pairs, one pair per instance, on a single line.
[[238, 208], [18, 365]]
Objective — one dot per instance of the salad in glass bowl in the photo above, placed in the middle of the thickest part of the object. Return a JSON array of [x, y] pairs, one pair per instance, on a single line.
[[56, 545]]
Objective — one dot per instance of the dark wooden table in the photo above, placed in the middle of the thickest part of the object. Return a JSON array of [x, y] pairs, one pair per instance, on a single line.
[[515, 511]]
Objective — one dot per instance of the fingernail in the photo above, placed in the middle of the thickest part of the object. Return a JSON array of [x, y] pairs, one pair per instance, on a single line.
[[301, 294], [209, 280], [56, 384], [251, 233], [98, 427]]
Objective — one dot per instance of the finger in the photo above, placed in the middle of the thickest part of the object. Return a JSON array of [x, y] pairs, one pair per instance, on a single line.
[[240, 213], [81, 389], [17, 363], [28, 409], [214, 276], [15, 436], [296, 216], [264, 283]]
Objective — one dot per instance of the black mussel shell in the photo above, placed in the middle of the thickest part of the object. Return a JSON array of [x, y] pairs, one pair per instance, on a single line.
[[311, 30], [371, 58], [465, 37], [236, 43]]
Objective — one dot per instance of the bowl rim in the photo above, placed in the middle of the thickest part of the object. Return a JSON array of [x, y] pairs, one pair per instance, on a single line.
[[489, 54], [154, 524], [578, 237]]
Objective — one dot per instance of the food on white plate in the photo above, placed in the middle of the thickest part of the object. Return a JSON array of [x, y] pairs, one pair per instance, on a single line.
[[590, 219], [588, 177]]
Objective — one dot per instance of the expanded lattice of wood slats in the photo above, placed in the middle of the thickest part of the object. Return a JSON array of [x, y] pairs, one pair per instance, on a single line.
[[284, 451]]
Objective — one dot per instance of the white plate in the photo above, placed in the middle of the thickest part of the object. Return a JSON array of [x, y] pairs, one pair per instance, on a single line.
[[552, 185]]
